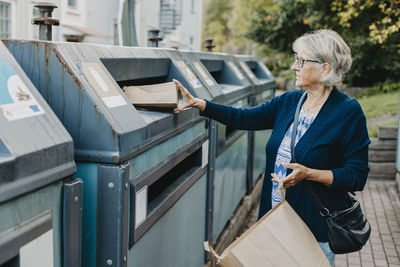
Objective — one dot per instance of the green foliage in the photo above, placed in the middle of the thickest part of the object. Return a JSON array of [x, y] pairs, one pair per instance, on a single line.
[[279, 28], [388, 86], [384, 19], [279, 63], [370, 27], [242, 13], [373, 129], [380, 104], [216, 22]]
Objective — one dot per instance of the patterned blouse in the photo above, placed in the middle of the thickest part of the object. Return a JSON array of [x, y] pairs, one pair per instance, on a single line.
[[284, 155]]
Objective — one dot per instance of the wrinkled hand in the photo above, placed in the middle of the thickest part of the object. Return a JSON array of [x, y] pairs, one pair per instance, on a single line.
[[188, 99], [299, 173]]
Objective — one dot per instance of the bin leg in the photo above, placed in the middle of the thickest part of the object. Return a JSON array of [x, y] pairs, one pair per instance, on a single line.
[[212, 136], [112, 215], [72, 223]]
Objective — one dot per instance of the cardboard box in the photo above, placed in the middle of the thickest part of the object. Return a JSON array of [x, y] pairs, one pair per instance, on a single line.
[[162, 95], [280, 238]]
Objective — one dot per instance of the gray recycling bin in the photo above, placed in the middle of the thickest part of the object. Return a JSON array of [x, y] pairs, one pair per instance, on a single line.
[[144, 172], [40, 203], [263, 85], [228, 85]]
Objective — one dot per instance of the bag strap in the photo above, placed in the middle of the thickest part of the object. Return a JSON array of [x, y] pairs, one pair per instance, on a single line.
[[295, 121], [322, 209]]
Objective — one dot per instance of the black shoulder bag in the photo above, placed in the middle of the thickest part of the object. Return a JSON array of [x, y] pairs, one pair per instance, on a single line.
[[348, 230]]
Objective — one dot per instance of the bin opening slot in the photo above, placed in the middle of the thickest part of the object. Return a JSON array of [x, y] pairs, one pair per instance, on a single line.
[[143, 71], [166, 184], [14, 262], [257, 69], [221, 72]]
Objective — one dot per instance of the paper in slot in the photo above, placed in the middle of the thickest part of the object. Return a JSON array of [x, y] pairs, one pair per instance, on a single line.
[[162, 95]]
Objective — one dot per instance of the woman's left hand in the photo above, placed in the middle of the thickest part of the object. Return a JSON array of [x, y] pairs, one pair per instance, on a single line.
[[299, 173]]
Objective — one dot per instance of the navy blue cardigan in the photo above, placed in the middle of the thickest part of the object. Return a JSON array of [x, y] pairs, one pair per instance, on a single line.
[[337, 140]]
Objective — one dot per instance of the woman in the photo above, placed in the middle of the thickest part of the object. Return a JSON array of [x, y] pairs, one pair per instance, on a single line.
[[332, 141]]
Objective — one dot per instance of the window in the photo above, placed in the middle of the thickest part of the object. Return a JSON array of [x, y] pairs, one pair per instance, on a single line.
[[72, 3], [193, 5], [35, 28], [116, 41], [35, 12], [5, 20], [191, 40]]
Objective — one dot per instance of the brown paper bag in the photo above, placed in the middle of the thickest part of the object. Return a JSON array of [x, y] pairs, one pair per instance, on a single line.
[[279, 238], [162, 95]]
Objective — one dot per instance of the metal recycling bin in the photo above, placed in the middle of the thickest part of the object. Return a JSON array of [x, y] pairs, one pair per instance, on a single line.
[[263, 85], [227, 84], [144, 171], [40, 202]]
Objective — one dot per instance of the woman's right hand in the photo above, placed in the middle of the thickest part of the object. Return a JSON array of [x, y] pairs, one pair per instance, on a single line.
[[188, 99]]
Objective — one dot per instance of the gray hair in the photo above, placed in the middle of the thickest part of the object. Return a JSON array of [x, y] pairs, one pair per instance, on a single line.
[[328, 46]]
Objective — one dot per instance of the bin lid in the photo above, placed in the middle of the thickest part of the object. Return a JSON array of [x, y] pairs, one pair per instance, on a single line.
[[221, 74], [35, 149], [82, 83], [256, 72]]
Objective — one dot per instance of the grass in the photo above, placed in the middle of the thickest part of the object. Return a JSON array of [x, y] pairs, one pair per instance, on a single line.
[[373, 129], [379, 105]]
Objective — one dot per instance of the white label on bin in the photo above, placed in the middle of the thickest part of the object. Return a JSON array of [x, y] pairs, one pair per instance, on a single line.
[[204, 154], [188, 74], [113, 101], [140, 206], [102, 84], [98, 79], [16, 101], [246, 68], [236, 70], [38, 252], [203, 73]]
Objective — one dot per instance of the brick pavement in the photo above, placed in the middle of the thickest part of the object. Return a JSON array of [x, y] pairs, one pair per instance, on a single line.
[[381, 204]]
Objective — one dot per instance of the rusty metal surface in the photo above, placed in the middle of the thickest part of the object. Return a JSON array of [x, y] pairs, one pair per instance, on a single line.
[[100, 133], [46, 21], [34, 150]]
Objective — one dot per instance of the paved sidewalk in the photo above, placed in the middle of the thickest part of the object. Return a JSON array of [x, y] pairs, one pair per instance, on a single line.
[[381, 204]]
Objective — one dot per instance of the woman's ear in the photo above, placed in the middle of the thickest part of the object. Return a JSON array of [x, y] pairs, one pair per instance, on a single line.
[[326, 69]]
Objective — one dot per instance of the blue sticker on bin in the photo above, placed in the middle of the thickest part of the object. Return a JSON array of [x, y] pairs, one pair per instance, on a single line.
[[5, 73], [16, 100]]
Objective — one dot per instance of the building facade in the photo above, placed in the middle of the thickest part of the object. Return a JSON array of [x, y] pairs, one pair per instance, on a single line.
[[104, 22]]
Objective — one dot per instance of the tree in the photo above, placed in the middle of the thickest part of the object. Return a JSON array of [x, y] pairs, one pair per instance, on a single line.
[[216, 20], [370, 27]]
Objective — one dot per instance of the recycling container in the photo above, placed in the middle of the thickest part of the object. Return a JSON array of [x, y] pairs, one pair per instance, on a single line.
[[263, 88], [144, 171], [40, 202], [227, 84]]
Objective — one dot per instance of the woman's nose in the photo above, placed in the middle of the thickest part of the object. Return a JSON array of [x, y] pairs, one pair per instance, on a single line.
[[295, 66]]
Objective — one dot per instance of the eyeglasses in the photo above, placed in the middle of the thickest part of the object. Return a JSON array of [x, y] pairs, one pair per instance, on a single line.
[[301, 60]]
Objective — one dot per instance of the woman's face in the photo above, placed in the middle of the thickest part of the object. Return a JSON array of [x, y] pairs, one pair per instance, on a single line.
[[310, 74]]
